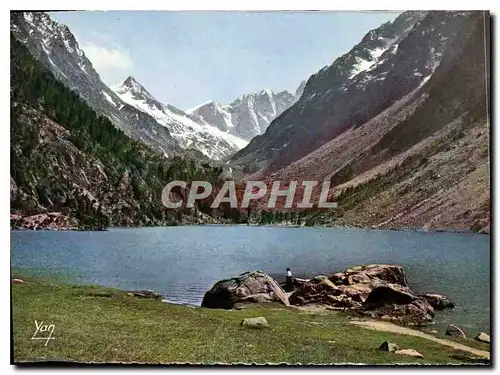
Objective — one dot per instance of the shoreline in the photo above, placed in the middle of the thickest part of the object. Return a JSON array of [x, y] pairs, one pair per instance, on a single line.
[[402, 229], [199, 335], [66, 279]]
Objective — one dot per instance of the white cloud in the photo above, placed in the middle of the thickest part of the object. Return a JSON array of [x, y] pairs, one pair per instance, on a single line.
[[104, 58]]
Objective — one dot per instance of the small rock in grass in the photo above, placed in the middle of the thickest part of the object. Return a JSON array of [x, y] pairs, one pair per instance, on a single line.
[[144, 294], [389, 346], [484, 337], [17, 281], [410, 352], [455, 331], [258, 322]]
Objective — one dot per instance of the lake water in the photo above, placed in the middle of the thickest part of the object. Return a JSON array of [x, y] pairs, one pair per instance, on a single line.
[[182, 263]]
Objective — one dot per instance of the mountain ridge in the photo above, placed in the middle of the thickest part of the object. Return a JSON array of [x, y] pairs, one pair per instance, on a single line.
[[357, 86], [56, 47], [398, 125], [248, 115], [410, 164], [73, 169], [171, 133], [212, 142]]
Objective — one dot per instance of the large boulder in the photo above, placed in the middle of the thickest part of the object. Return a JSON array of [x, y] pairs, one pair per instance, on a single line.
[[398, 306], [318, 290], [349, 289], [253, 286], [438, 301], [384, 295], [49, 220], [377, 274], [297, 283]]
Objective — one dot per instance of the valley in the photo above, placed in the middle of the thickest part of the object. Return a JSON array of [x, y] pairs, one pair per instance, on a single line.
[[399, 125]]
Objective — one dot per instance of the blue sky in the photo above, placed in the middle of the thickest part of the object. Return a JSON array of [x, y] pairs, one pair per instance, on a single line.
[[187, 58]]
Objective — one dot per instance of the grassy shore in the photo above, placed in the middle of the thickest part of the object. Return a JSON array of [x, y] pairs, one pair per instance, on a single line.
[[96, 324]]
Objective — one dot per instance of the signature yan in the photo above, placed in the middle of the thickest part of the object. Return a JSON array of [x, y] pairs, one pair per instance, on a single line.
[[43, 332]]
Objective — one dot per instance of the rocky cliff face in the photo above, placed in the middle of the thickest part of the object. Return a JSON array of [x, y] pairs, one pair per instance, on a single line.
[[403, 137], [386, 65], [70, 168], [75, 190], [247, 116], [56, 47]]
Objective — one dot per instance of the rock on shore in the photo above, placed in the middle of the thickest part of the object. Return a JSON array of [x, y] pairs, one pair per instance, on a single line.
[[253, 286], [438, 301], [49, 220], [379, 291]]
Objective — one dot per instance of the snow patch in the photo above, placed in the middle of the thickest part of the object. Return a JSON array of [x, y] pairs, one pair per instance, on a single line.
[[28, 16], [68, 46], [364, 65], [360, 66], [377, 52], [109, 99], [191, 110]]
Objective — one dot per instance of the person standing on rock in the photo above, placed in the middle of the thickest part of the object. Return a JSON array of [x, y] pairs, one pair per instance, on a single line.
[[289, 280]]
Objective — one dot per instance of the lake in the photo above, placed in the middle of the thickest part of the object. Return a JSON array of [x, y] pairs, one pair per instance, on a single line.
[[182, 263]]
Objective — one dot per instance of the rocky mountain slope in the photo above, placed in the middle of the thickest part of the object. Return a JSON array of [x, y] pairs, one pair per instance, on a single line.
[[386, 65], [71, 168], [247, 116], [56, 47], [209, 140], [399, 125], [159, 125]]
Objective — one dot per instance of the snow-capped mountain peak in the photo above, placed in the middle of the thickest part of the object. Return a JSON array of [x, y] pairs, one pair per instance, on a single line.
[[131, 85], [129, 105], [57, 49], [266, 92], [248, 115], [132, 92], [189, 133], [208, 103]]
